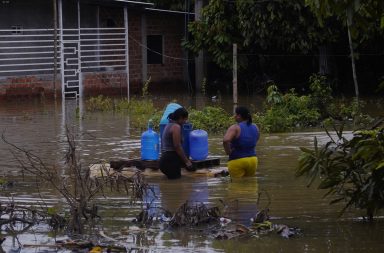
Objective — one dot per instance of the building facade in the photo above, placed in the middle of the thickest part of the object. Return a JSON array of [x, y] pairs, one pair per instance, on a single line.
[[108, 47]]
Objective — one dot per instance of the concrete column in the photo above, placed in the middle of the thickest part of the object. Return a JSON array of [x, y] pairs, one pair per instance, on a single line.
[[127, 49]]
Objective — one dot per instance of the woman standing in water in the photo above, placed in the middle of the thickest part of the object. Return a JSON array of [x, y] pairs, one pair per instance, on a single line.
[[240, 143], [173, 157]]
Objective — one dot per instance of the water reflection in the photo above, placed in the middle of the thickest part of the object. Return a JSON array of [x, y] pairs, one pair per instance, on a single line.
[[241, 200], [171, 194]]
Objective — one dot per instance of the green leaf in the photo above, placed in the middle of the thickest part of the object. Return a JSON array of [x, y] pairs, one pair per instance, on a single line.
[[306, 150], [380, 165], [328, 183], [382, 22], [336, 201], [51, 210]]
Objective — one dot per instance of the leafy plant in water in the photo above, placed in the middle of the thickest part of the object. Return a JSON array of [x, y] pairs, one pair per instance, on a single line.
[[351, 169], [274, 96], [145, 92], [286, 111], [139, 109], [211, 119], [321, 94], [99, 103]]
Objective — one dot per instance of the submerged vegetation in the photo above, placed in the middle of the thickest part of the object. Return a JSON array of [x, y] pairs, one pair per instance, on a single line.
[[140, 110], [282, 112], [79, 210], [213, 119], [289, 111], [351, 169]]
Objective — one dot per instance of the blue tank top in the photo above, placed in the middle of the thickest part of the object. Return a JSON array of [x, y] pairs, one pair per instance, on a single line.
[[245, 144]]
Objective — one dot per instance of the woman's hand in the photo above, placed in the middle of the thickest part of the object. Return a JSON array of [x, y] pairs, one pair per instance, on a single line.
[[189, 166]]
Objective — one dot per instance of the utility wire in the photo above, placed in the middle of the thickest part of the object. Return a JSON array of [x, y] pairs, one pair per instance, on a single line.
[[251, 54], [153, 51]]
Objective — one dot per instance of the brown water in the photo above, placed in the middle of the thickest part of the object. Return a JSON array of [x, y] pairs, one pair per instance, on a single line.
[[104, 136]]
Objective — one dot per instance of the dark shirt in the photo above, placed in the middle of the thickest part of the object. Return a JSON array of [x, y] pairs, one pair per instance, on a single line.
[[167, 139]]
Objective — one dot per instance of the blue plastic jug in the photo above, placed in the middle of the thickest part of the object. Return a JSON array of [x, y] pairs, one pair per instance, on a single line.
[[149, 144], [198, 145]]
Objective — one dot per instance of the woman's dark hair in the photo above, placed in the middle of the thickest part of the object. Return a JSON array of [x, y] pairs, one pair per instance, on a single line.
[[244, 113], [180, 113]]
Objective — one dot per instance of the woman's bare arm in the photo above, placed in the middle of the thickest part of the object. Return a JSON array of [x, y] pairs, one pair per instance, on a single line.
[[176, 137], [230, 135]]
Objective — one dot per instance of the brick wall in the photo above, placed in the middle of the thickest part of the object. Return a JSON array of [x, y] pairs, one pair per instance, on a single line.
[[171, 26], [108, 83], [135, 53], [114, 82], [27, 86]]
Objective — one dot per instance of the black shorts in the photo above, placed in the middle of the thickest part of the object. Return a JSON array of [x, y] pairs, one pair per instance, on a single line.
[[170, 164]]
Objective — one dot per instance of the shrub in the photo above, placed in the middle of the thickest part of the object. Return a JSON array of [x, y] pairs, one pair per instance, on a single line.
[[352, 170], [139, 109], [99, 103], [285, 112], [211, 119], [321, 94]]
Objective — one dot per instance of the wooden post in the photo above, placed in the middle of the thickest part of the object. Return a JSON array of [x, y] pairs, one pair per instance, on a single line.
[[353, 63], [199, 60], [234, 77], [54, 47]]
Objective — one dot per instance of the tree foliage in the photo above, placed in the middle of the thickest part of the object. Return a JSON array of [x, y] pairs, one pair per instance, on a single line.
[[256, 26], [362, 18], [284, 25], [216, 32], [365, 17]]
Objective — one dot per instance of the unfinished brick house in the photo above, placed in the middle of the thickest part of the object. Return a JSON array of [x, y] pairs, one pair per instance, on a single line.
[[108, 47]]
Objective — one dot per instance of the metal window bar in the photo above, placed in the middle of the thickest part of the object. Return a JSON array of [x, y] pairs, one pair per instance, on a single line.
[[31, 53]]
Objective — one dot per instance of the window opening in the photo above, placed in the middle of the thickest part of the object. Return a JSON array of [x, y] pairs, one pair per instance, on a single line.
[[155, 49]]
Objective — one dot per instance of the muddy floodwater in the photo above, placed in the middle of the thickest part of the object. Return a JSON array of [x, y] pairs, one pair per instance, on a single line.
[[40, 127]]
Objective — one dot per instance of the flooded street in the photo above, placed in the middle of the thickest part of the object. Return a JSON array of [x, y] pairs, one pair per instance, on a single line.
[[41, 128]]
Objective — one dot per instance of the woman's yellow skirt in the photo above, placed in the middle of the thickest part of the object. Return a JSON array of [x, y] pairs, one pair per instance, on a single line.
[[243, 167]]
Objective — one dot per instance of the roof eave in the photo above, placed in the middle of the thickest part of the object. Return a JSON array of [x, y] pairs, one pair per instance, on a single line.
[[137, 4]]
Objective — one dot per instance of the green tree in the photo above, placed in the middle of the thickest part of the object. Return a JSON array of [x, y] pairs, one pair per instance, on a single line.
[[258, 27], [216, 32], [286, 25], [361, 19]]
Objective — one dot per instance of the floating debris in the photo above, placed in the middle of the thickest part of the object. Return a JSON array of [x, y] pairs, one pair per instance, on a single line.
[[189, 214]]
